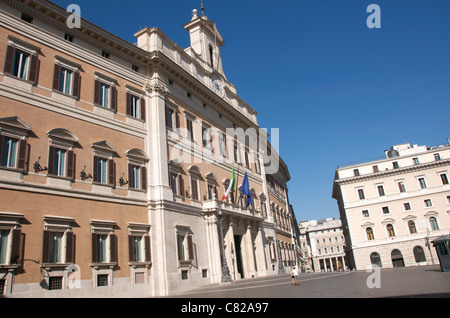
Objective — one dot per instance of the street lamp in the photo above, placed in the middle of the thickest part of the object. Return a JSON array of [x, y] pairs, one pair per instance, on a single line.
[[226, 277], [281, 269]]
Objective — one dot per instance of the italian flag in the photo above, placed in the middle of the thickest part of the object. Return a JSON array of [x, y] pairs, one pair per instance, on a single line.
[[232, 185]]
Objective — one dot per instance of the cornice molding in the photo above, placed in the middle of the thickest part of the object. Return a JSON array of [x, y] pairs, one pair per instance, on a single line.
[[393, 172]]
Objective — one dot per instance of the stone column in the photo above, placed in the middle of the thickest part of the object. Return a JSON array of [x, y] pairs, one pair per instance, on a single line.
[[156, 145], [250, 255]]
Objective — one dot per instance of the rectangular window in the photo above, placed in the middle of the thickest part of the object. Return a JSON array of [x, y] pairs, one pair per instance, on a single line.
[[395, 164], [444, 178], [422, 183], [407, 206], [65, 79], [104, 95], [190, 129], [170, 121], [134, 106], [427, 203], [365, 213], [55, 241], [173, 183], [101, 248], [415, 161], [361, 194], [102, 280], [55, 282], [59, 166], [380, 190], [3, 245], [21, 64], [137, 249], [401, 186], [437, 157], [385, 210], [356, 172], [9, 151], [135, 177], [102, 170]]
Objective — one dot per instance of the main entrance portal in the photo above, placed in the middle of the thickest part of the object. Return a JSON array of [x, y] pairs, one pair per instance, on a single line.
[[237, 244]]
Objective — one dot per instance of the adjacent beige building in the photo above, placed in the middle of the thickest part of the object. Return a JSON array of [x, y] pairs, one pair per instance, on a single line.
[[115, 158], [391, 209]]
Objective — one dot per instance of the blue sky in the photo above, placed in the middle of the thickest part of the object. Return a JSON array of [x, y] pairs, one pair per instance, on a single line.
[[339, 91]]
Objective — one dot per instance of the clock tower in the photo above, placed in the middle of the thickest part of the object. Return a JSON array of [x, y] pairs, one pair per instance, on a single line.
[[206, 42]]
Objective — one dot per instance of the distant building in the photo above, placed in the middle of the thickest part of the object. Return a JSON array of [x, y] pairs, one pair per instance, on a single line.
[[325, 245], [391, 209]]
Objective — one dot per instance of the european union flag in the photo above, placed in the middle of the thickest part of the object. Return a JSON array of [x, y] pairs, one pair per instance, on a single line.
[[245, 189]]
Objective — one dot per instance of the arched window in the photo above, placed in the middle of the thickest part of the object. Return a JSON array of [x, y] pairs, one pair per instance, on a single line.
[[419, 254], [434, 224], [369, 233], [390, 230], [375, 259], [412, 227]]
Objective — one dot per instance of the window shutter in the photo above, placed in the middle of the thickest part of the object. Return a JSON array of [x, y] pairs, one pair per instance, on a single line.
[[70, 247], [131, 248], [181, 182], [111, 172], [144, 178], [148, 249], [113, 248], [177, 119], [130, 176], [1, 145], [70, 164], [45, 247], [167, 117], [9, 59], [22, 154], [190, 247], [95, 168], [16, 248], [56, 75], [128, 104], [34, 69], [142, 104], [179, 247], [94, 247], [97, 93], [51, 158], [114, 98], [76, 84], [194, 189]]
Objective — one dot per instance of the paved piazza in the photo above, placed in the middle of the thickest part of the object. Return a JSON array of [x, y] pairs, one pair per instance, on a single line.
[[426, 281]]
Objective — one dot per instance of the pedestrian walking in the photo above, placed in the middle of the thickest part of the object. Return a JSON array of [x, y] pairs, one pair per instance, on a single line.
[[295, 277]]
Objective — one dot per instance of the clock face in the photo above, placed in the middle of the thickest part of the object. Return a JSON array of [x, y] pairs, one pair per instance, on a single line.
[[218, 86]]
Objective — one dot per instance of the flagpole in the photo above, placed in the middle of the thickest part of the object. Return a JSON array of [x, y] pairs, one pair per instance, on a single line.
[[236, 199]]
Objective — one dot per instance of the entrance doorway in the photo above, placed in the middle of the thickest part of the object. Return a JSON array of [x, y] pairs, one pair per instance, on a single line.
[[237, 244], [397, 258]]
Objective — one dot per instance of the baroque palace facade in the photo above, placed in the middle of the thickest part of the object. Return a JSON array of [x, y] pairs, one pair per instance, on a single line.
[[115, 158], [392, 209]]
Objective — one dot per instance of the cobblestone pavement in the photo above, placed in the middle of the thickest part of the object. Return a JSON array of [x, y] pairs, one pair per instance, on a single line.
[[423, 282]]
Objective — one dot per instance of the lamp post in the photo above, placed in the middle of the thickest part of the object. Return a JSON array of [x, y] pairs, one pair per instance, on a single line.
[[281, 269], [226, 277]]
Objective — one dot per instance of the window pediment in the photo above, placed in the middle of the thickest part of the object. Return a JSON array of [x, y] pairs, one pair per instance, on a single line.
[[104, 148], [14, 125], [136, 155]]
